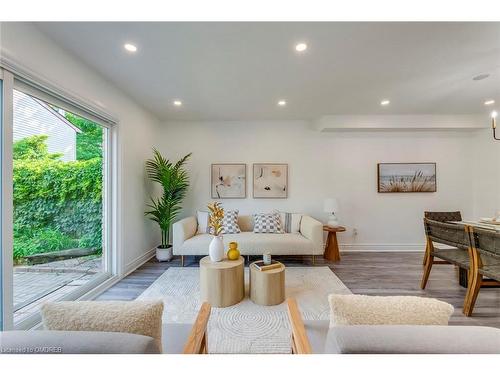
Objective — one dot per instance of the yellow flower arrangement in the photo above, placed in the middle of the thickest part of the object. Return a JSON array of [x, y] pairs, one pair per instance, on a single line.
[[216, 216]]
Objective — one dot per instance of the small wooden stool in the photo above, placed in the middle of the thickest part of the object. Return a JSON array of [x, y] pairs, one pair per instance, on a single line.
[[267, 287], [222, 283], [332, 246]]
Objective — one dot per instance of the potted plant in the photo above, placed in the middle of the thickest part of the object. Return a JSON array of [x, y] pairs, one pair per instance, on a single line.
[[174, 181]]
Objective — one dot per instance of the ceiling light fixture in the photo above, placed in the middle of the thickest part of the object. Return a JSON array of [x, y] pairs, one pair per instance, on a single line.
[[300, 47], [385, 102], [130, 47], [282, 103], [177, 103], [494, 115], [489, 102], [480, 77]]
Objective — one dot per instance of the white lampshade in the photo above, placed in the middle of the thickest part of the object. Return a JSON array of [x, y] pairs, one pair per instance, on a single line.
[[331, 205]]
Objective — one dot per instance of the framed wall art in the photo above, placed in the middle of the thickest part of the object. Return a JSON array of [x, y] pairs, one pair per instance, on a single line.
[[406, 177], [228, 181], [270, 180]]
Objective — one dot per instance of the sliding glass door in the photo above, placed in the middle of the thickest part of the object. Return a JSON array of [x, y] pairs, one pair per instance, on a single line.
[[57, 191], [6, 84], [1, 208]]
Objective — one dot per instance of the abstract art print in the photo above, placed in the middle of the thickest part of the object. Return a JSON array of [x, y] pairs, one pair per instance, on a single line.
[[407, 178], [229, 181], [270, 180]]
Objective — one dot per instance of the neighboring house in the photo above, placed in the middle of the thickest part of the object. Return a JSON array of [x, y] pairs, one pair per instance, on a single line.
[[34, 117]]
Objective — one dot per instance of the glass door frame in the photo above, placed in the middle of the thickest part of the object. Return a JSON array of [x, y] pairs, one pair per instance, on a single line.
[[111, 264], [7, 200]]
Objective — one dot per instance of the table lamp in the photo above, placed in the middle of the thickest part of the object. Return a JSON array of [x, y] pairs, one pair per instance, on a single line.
[[331, 206]]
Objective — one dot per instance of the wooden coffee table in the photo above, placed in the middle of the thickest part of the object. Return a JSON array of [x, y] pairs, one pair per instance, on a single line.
[[332, 246], [267, 287], [222, 283]]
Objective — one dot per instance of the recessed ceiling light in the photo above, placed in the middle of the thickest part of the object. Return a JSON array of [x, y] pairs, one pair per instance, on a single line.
[[177, 103], [282, 103], [489, 102], [385, 102], [480, 77], [300, 47], [130, 47]]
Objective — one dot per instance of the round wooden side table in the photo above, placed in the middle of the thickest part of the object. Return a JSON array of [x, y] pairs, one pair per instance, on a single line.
[[222, 283], [267, 287], [332, 246]]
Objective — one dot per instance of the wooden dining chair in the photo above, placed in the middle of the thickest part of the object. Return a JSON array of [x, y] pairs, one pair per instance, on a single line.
[[443, 217], [484, 252], [456, 253]]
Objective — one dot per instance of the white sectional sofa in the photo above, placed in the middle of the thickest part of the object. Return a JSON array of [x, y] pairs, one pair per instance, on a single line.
[[186, 240]]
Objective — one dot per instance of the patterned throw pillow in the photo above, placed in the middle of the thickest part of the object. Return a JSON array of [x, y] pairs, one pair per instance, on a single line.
[[267, 223], [230, 222], [290, 222]]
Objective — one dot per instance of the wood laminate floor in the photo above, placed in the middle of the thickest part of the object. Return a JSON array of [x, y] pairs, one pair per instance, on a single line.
[[372, 273]]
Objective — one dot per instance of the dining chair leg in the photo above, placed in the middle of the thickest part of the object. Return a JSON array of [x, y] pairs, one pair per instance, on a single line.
[[428, 249], [472, 295], [427, 271]]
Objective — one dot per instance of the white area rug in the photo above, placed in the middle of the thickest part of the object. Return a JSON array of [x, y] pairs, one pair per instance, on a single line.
[[247, 327]]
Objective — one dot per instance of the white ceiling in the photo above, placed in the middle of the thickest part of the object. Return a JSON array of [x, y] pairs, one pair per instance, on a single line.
[[238, 71]]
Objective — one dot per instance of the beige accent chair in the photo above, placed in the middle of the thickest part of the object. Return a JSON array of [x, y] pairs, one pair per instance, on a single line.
[[316, 337], [177, 339]]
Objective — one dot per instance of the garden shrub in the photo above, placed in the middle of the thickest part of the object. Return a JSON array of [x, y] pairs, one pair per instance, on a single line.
[[57, 204]]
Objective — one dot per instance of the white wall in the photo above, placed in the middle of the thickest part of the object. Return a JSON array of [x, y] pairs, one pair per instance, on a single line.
[[138, 129], [342, 165]]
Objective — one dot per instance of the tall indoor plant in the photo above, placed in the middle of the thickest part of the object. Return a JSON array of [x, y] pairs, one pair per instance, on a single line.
[[174, 181]]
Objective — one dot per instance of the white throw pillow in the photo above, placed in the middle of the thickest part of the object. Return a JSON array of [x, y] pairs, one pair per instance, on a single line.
[[139, 317], [267, 223], [290, 222], [355, 309], [230, 222], [202, 218]]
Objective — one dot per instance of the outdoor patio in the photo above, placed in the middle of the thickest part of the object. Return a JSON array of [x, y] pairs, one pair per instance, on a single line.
[[37, 284]]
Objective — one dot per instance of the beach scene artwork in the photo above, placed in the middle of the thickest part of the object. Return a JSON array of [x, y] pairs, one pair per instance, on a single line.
[[270, 180], [407, 178], [229, 181]]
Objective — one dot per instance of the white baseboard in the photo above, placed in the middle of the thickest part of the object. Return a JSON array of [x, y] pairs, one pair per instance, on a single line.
[[381, 247], [137, 262]]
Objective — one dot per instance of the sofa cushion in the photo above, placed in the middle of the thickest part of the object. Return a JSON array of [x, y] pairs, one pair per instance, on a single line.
[[230, 222], [317, 331], [378, 310], [175, 337], [250, 243], [138, 317], [290, 222], [75, 342], [405, 339], [202, 219], [267, 223]]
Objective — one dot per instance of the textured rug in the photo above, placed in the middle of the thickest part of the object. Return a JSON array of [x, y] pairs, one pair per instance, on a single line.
[[247, 327]]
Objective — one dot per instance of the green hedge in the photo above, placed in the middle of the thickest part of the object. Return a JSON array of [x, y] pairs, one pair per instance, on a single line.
[[57, 205]]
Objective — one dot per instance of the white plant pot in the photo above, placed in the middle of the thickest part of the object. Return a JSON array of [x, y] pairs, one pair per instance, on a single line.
[[216, 249], [164, 254]]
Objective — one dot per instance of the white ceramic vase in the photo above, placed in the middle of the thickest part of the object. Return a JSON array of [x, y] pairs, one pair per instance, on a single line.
[[216, 249]]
